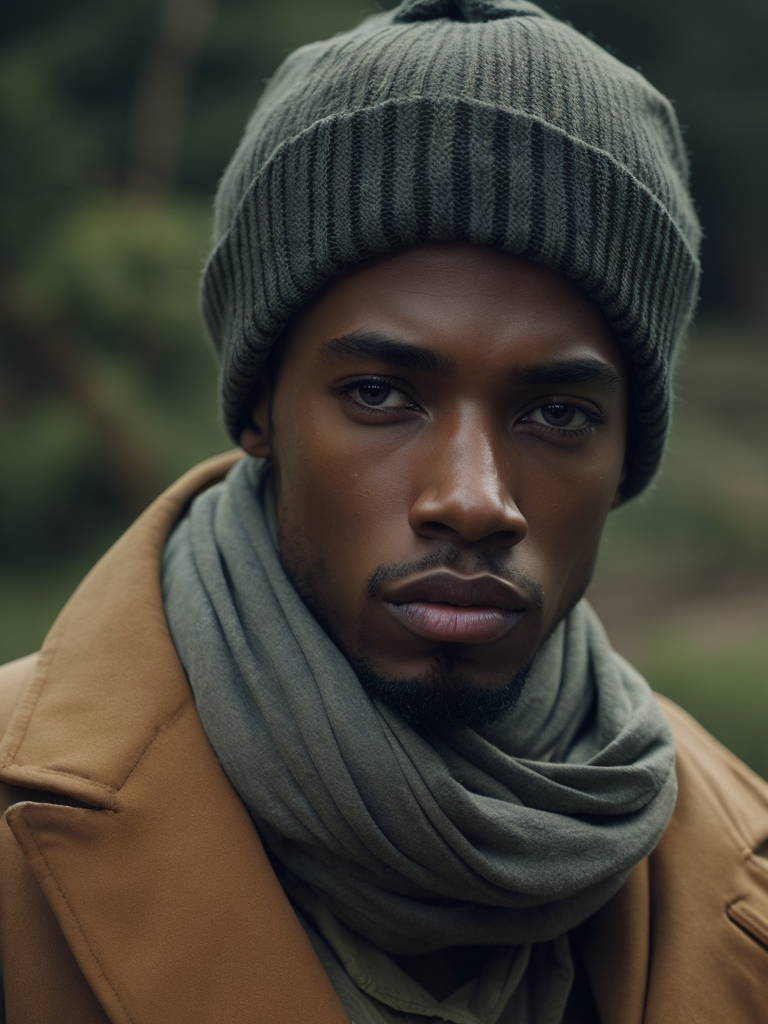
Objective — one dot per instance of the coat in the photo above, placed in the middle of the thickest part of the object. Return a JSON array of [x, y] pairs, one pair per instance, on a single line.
[[134, 887]]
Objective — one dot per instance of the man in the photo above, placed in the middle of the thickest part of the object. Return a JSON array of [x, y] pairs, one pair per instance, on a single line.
[[329, 735]]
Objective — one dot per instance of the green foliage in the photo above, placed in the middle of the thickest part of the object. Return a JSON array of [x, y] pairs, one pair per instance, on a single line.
[[42, 161], [726, 691], [122, 278], [108, 388], [128, 273], [711, 501]]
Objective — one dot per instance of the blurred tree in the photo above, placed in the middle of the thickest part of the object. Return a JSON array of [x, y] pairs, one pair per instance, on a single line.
[[163, 94], [117, 119]]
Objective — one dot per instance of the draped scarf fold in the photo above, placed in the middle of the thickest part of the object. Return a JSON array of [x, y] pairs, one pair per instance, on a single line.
[[511, 833]]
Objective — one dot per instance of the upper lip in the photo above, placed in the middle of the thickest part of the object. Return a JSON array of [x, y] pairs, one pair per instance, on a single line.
[[445, 587]]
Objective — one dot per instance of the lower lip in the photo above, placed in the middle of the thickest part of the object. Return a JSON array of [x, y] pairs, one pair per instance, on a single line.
[[471, 624]]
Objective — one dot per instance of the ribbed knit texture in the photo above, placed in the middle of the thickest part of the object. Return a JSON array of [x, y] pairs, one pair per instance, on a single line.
[[476, 120]]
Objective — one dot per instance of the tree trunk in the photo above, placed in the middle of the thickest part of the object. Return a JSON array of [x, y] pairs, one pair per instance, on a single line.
[[54, 354], [162, 97]]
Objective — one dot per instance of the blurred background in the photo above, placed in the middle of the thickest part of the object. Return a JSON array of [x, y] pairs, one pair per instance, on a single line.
[[115, 123]]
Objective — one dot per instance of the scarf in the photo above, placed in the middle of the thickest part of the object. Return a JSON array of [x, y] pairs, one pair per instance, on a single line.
[[512, 833]]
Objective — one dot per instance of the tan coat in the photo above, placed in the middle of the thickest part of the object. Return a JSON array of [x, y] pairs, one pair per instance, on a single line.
[[133, 886]]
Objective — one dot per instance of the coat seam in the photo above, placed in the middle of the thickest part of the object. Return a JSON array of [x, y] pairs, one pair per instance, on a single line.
[[163, 727], [55, 772], [112, 790], [74, 917]]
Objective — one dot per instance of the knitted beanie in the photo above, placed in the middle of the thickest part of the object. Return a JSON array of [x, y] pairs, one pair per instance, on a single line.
[[486, 121]]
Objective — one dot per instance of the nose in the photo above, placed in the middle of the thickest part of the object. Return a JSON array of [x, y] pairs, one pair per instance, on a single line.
[[465, 491]]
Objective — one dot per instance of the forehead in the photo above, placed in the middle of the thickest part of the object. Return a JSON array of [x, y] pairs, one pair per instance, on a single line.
[[469, 301]]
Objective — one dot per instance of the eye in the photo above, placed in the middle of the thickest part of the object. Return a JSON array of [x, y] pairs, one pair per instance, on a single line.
[[561, 415], [375, 393]]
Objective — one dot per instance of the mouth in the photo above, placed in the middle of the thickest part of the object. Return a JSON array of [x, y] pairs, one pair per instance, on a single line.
[[449, 608]]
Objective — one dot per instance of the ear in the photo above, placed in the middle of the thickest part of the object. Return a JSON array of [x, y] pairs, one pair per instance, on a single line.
[[256, 438]]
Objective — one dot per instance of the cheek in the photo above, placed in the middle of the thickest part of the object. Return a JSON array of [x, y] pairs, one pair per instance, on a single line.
[[326, 458], [565, 525], [346, 497]]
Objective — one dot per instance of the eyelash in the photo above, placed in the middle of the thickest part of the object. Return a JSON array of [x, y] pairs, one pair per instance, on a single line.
[[594, 418], [344, 389]]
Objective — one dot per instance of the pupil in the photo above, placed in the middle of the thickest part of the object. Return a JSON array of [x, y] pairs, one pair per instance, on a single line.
[[556, 415], [374, 394]]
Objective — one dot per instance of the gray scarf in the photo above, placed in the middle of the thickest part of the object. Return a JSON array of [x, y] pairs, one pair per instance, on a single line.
[[513, 833]]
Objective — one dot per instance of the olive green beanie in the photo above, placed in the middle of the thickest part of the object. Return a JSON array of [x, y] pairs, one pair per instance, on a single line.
[[486, 121]]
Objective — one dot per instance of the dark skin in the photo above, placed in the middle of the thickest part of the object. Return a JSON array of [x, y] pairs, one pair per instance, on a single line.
[[449, 402]]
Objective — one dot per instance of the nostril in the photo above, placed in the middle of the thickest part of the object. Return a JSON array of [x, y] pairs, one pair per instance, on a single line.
[[498, 539], [503, 538], [435, 529]]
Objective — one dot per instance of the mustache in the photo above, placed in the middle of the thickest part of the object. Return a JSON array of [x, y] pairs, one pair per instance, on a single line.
[[448, 557]]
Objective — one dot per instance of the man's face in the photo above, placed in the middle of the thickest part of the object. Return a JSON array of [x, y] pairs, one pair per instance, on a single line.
[[448, 432]]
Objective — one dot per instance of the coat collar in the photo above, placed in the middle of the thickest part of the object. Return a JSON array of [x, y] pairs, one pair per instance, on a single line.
[[131, 817], [107, 676]]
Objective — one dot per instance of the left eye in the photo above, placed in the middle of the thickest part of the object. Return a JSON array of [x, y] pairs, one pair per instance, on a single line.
[[559, 414], [378, 395]]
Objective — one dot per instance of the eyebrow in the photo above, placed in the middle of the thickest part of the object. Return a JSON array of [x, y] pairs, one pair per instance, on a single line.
[[579, 370], [372, 346]]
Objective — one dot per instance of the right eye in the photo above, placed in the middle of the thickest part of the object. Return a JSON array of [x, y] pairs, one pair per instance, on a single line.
[[379, 395]]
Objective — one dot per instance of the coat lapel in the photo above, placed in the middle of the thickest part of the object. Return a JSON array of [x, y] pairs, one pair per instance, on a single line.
[[144, 851]]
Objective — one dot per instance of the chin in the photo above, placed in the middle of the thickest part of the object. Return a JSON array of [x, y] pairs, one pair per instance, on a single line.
[[444, 696]]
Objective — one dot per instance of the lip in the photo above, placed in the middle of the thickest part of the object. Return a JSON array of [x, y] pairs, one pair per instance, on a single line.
[[447, 607]]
